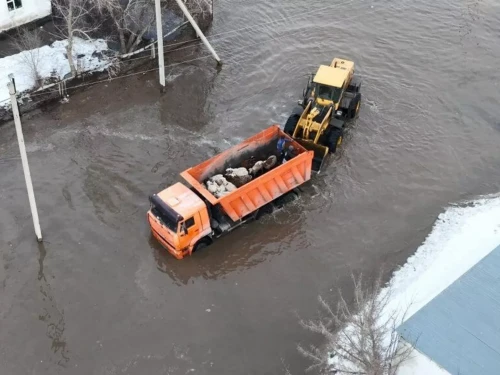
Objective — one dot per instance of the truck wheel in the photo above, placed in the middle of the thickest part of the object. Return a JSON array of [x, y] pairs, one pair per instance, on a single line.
[[291, 123], [264, 210], [200, 245], [334, 139], [355, 105]]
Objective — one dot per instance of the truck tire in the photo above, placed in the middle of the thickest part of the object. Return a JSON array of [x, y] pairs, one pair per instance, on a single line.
[[354, 106], [201, 244], [334, 140], [264, 210]]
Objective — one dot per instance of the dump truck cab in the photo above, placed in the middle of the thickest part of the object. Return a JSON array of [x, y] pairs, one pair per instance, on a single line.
[[178, 219], [330, 99]]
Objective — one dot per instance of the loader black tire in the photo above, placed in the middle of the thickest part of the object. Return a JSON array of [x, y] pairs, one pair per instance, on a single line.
[[354, 85], [291, 123], [354, 106], [334, 140]]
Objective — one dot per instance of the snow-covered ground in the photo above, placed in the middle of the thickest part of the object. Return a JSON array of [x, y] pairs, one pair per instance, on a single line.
[[460, 238], [419, 364], [51, 59]]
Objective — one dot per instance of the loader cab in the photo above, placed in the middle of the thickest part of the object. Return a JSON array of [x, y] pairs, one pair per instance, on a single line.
[[329, 94], [329, 83], [178, 219]]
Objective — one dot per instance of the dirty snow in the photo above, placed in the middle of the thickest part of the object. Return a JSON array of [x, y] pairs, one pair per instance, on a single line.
[[51, 59], [460, 238]]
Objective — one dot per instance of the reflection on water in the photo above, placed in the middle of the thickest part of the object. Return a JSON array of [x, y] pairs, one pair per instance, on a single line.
[[51, 315], [242, 249]]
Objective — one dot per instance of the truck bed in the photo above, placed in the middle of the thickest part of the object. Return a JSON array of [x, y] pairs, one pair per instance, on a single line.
[[261, 190]]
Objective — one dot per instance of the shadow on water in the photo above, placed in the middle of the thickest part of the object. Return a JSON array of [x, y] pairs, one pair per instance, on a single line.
[[247, 247], [51, 315]]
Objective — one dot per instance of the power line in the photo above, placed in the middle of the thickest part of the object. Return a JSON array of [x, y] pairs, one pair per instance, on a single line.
[[166, 66], [216, 37], [301, 14], [198, 58], [177, 63]]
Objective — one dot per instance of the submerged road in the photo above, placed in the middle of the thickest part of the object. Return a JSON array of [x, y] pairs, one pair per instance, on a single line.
[[100, 296]]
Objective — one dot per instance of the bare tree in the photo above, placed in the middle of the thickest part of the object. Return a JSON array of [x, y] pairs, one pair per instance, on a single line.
[[27, 43], [362, 338], [199, 8], [134, 18], [76, 18]]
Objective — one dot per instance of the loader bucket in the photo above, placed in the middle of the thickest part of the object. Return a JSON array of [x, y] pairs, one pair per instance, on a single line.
[[320, 153]]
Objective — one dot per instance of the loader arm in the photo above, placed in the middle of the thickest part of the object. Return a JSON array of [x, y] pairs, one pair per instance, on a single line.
[[309, 124], [324, 125], [301, 119]]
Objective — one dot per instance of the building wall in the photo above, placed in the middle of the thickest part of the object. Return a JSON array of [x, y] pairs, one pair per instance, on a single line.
[[31, 10]]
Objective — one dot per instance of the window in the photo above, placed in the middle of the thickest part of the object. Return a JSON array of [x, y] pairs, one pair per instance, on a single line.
[[14, 4], [189, 222], [329, 92], [185, 225]]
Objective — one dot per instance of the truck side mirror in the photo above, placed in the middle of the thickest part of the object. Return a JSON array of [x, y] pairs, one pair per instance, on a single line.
[[183, 228]]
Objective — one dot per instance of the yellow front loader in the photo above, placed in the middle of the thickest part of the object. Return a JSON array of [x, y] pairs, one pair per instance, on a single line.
[[331, 98]]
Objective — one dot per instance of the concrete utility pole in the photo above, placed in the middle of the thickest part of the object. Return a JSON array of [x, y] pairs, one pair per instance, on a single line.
[[24, 158], [198, 31], [159, 38]]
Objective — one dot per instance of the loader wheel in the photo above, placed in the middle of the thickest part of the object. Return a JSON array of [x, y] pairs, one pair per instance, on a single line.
[[291, 123], [355, 105], [334, 139]]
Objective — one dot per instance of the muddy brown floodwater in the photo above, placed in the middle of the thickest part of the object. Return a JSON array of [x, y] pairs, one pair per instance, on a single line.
[[101, 297]]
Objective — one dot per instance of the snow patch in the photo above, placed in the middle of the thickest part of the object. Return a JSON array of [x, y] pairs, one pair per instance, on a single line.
[[460, 238], [51, 59], [419, 364]]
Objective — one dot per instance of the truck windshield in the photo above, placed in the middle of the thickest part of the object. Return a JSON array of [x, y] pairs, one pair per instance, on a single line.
[[167, 215], [329, 92], [164, 219]]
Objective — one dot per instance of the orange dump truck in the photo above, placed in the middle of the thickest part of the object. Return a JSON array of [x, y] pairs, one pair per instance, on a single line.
[[186, 218]]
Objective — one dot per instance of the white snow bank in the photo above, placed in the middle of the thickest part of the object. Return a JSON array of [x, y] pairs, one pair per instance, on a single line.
[[51, 59], [460, 238], [419, 364]]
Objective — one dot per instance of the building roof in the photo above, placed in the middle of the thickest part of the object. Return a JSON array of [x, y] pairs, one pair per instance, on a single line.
[[460, 328]]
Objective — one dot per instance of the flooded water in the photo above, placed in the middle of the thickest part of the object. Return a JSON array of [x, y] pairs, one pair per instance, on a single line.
[[100, 296]]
